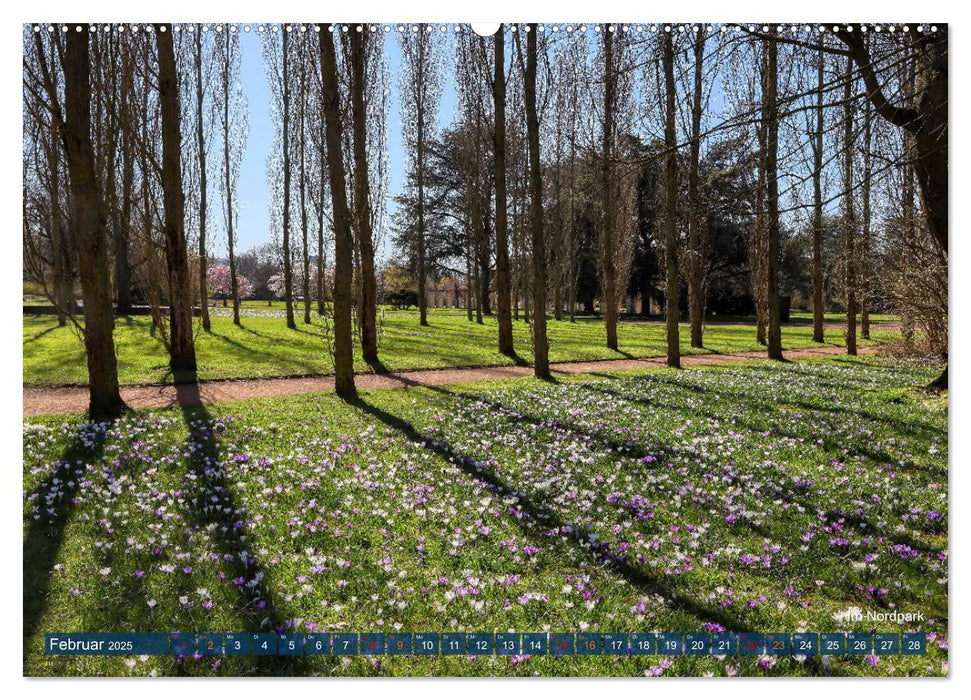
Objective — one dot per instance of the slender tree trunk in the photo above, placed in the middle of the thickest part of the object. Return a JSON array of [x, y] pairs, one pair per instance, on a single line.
[[485, 270], [182, 353], [541, 364], [321, 260], [422, 273], [285, 147], [60, 262], [607, 215], [502, 229], [771, 117], [343, 237], [304, 225], [123, 235], [476, 241], [696, 222], [758, 258], [572, 224], [109, 136], [907, 321], [672, 291], [228, 181], [362, 200], [865, 242], [469, 280], [819, 304], [849, 213], [90, 234], [203, 188]]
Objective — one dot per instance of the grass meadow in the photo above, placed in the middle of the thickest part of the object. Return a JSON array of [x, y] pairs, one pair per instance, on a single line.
[[264, 347], [756, 497]]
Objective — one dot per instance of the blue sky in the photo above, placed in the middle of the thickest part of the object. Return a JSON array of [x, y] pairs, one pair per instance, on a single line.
[[254, 192]]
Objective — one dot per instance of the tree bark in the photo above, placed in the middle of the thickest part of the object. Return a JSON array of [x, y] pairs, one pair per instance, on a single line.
[[285, 147], [771, 117], [121, 242], [819, 304], [304, 224], [228, 182], [697, 223], [321, 260], [60, 252], [362, 200], [672, 291], [607, 215], [421, 272], [503, 305], [203, 188], [865, 240], [849, 212], [907, 320], [182, 354], [343, 237], [541, 363], [90, 230]]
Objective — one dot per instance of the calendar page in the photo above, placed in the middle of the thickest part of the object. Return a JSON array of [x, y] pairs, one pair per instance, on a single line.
[[450, 349]]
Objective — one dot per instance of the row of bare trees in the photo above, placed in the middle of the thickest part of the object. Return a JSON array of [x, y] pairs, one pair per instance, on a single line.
[[143, 119], [574, 163], [616, 108]]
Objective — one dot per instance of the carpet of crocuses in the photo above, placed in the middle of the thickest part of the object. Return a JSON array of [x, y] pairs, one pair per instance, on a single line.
[[762, 497]]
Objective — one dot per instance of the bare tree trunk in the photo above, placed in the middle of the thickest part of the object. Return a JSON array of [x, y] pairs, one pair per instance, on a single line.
[[771, 116], [343, 237], [476, 269], [926, 119], [541, 363], [230, 220], [502, 228], [469, 279], [182, 353], [122, 237], [672, 291], [819, 310], [89, 224], [321, 260], [485, 269], [60, 255], [285, 147], [203, 189], [696, 222], [607, 215], [362, 201], [907, 320], [849, 213], [422, 273], [865, 242], [304, 227]]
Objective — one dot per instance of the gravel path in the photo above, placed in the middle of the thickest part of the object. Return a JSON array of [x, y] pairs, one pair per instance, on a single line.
[[74, 399]]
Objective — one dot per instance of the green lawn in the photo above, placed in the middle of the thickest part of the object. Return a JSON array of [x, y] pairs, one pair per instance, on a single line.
[[759, 497], [265, 347]]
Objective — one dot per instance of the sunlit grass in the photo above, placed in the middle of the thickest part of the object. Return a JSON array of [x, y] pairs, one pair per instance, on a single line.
[[265, 347], [760, 497]]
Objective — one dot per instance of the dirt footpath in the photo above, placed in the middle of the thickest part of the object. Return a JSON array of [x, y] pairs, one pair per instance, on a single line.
[[74, 399]]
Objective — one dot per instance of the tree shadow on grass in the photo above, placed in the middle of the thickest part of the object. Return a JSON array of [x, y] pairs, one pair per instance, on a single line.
[[662, 453], [517, 359], [213, 505], [542, 516], [56, 496], [40, 334]]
